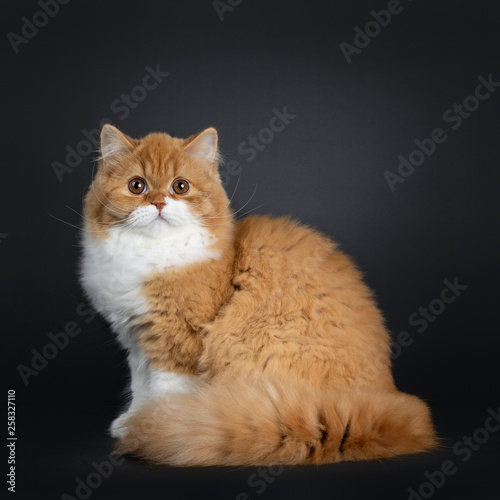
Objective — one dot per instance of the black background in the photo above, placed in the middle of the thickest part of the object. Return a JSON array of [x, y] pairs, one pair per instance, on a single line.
[[325, 168]]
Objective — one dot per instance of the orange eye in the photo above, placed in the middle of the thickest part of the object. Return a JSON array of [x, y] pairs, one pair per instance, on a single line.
[[180, 186], [137, 185]]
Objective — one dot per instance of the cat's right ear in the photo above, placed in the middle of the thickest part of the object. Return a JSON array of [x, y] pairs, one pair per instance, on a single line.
[[114, 144], [203, 146]]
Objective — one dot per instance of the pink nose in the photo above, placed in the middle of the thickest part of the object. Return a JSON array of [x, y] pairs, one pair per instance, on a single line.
[[159, 205]]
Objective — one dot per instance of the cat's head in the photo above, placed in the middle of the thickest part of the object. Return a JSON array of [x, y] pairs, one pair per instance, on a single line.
[[156, 184]]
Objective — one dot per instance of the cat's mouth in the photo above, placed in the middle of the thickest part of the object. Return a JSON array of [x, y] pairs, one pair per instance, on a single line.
[[161, 218], [164, 219]]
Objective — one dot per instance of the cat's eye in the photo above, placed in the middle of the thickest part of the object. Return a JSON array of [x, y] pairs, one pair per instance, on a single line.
[[137, 185], [180, 186]]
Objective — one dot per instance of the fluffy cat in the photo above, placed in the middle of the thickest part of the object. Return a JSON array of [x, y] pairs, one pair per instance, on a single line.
[[249, 342]]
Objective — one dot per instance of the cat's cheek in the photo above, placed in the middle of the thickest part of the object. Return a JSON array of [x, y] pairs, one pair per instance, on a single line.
[[143, 216], [178, 213]]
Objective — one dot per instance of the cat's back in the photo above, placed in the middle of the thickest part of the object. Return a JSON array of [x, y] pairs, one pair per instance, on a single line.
[[299, 307], [277, 234], [280, 248]]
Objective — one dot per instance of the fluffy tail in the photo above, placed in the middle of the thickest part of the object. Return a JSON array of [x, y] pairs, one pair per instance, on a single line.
[[268, 424]]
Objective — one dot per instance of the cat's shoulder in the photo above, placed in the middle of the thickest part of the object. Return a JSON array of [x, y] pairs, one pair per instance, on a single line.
[[279, 233]]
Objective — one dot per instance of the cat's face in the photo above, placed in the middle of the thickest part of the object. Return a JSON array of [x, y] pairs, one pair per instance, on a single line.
[[156, 184]]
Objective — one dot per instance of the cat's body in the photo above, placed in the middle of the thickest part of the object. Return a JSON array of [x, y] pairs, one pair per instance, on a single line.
[[249, 343]]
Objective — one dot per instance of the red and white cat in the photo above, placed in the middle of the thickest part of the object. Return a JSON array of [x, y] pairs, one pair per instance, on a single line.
[[249, 342]]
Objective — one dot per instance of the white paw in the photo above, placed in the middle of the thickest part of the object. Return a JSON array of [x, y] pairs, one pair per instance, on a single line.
[[118, 427]]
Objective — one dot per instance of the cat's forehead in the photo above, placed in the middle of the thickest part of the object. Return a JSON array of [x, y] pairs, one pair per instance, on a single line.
[[159, 154]]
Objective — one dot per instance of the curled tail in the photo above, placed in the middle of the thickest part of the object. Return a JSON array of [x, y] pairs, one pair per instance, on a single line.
[[272, 423]]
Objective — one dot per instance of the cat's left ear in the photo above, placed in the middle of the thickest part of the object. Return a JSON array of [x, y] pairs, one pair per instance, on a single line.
[[114, 144], [204, 147]]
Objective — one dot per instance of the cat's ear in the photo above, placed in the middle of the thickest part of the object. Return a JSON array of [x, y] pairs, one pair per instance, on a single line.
[[204, 147], [114, 143]]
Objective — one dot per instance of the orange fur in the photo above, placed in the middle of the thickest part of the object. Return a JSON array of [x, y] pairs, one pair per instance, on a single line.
[[290, 348], [285, 422]]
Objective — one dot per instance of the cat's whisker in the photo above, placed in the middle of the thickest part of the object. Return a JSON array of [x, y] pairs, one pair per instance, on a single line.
[[237, 218], [84, 193], [95, 221], [64, 222], [124, 225], [201, 203], [230, 199], [110, 206], [232, 215], [99, 199], [229, 216], [249, 200], [235, 188], [75, 226], [248, 211], [117, 208], [215, 225], [239, 210]]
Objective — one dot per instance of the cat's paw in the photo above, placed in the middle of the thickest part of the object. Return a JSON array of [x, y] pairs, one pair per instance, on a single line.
[[118, 427]]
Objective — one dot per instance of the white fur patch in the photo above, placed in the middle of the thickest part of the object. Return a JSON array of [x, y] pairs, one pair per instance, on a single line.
[[146, 384], [163, 383], [175, 215], [114, 270]]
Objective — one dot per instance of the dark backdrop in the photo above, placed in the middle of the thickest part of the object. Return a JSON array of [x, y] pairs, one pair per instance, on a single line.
[[234, 64]]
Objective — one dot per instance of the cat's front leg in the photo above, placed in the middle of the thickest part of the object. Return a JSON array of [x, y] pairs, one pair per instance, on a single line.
[[146, 384], [139, 390]]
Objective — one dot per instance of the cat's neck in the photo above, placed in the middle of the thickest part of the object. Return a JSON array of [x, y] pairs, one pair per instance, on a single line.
[[172, 248], [115, 268]]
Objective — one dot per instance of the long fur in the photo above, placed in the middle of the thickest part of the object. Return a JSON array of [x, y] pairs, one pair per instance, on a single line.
[[264, 423], [249, 342]]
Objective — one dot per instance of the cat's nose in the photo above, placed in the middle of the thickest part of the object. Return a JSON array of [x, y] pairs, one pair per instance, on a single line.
[[159, 205]]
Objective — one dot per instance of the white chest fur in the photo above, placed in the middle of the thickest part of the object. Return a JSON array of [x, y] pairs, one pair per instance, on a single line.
[[114, 270]]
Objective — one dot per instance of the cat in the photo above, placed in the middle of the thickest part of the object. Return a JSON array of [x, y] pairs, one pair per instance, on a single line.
[[250, 342]]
